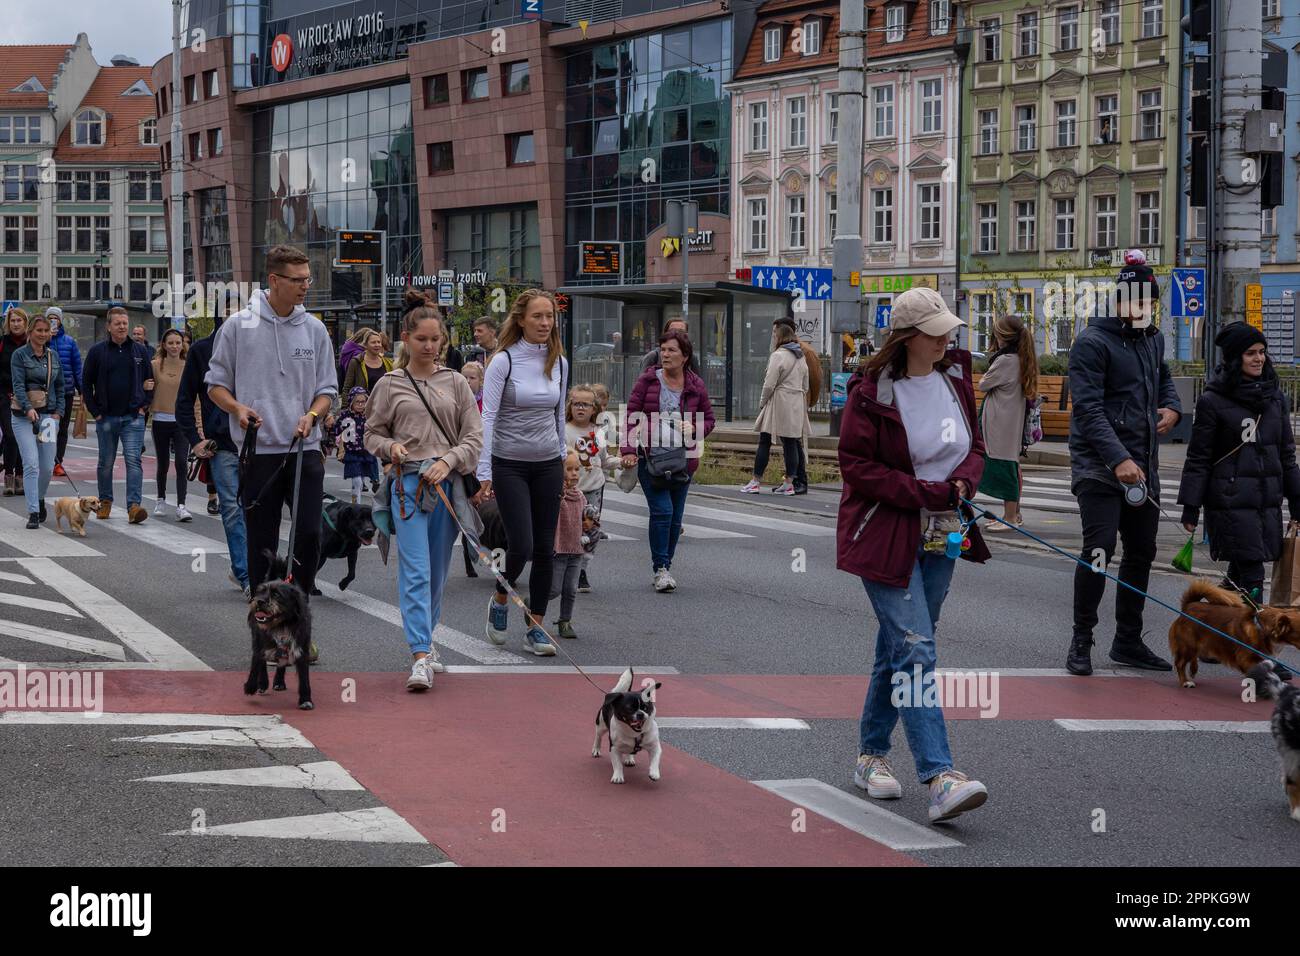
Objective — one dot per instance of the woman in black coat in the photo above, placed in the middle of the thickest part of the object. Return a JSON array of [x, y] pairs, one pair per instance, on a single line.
[[1241, 460]]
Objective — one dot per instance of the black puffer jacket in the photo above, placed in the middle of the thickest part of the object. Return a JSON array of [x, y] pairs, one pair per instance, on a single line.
[[1241, 488]]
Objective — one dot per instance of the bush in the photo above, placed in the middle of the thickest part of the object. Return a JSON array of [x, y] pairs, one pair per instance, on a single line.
[[1053, 364]]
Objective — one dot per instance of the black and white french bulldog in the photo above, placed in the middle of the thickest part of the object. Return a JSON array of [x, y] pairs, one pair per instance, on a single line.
[[628, 717]]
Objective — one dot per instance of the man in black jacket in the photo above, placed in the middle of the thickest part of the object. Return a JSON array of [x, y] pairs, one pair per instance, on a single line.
[[117, 387], [218, 448], [1123, 398]]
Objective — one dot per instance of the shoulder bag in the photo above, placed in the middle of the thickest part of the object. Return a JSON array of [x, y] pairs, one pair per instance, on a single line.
[[667, 466], [38, 398], [470, 480]]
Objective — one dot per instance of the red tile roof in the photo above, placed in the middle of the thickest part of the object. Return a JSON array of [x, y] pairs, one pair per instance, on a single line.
[[916, 39], [124, 113], [20, 63], [789, 14]]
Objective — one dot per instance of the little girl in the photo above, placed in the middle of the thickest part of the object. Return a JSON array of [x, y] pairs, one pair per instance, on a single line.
[[473, 372], [569, 550], [590, 441], [349, 431]]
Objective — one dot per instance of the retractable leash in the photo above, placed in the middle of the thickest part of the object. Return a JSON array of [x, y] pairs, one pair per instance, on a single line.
[[293, 509], [1150, 597]]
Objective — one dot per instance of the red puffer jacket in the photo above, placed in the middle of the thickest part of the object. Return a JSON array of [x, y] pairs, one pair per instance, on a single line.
[[879, 527]]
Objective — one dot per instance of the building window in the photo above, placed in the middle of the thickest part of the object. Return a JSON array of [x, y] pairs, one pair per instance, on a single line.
[[18, 130], [812, 36], [1153, 18], [149, 133], [1066, 123], [1067, 28], [771, 44], [144, 187], [12, 283], [196, 146], [1108, 118], [988, 132], [21, 183], [796, 217], [137, 231], [104, 234], [832, 214], [63, 185], [1195, 222], [516, 78], [137, 284], [436, 91], [1026, 128], [882, 216], [502, 242], [84, 184], [1149, 124], [796, 122], [986, 214], [215, 145], [758, 127], [882, 104], [85, 288], [991, 40], [1065, 224], [757, 224], [440, 158], [191, 89], [1148, 205], [103, 185], [1270, 8], [1110, 23], [88, 129], [214, 233], [519, 149], [85, 233], [1027, 34], [212, 84], [1268, 222], [895, 23], [1106, 222], [932, 106], [832, 119], [940, 17], [21, 234], [62, 233], [63, 283], [475, 84], [928, 205], [1026, 225], [981, 320]]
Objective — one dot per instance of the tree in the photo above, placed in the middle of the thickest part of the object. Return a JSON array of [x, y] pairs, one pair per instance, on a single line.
[[493, 299]]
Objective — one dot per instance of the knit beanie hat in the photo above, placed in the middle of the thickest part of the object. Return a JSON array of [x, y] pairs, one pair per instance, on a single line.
[[1234, 339]]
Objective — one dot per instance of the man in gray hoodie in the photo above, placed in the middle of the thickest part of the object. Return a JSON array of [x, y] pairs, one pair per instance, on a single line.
[[273, 366]]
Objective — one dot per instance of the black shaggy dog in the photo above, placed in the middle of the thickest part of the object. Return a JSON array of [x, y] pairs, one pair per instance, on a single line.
[[493, 537], [279, 620], [344, 529]]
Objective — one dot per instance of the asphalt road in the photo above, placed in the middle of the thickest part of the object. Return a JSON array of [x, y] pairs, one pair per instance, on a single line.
[[758, 595]]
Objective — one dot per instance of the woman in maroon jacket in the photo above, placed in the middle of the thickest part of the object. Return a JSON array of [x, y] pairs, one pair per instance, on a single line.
[[669, 409], [909, 448]]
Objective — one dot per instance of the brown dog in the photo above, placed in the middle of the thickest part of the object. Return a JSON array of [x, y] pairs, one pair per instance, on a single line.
[[75, 510], [1227, 612]]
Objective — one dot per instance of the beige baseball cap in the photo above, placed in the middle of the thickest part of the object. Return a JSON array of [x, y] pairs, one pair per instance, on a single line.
[[922, 309]]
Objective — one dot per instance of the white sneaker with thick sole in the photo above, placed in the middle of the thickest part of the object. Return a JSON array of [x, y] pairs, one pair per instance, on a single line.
[[421, 675], [876, 776], [953, 793], [498, 621], [159, 507], [785, 488], [183, 513], [663, 581], [752, 488]]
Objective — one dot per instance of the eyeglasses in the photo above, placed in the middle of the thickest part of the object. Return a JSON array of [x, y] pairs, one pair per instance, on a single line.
[[305, 281], [583, 405]]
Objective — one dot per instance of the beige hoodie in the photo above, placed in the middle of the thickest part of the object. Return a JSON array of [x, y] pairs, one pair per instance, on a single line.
[[396, 414]]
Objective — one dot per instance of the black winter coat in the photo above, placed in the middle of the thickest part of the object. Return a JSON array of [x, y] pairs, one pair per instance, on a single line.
[[1241, 490]]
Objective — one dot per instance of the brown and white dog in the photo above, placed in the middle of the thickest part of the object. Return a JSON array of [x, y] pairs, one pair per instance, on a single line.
[[75, 511], [1228, 612]]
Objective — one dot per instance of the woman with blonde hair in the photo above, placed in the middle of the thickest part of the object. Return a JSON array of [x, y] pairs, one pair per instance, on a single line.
[[522, 462], [783, 413], [14, 338], [1012, 378], [168, 438]]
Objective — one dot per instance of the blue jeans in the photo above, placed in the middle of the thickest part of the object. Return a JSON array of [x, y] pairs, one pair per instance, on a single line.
[[129, 429], [666, 508], [224, 469], [37, 456], [908, 618], [424, 540]]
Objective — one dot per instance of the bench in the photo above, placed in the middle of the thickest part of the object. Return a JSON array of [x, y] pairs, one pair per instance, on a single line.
[[1056, 403]]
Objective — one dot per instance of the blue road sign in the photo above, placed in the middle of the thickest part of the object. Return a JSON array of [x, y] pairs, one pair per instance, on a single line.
[[6, 305], [812, 283], [446, 293], [531, 9], [1188, 293], [882, 316]]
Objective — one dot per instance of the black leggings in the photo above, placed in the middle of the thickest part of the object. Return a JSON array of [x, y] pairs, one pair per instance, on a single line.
[[528, 498], [64, 420], [169, 440], [13, 465], [791, 450]]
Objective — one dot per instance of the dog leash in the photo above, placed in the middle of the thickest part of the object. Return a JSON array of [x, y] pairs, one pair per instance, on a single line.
[[293, 509], [1107, 574]]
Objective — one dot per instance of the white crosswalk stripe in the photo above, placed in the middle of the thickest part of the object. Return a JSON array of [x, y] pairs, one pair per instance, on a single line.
[[1053, 494]]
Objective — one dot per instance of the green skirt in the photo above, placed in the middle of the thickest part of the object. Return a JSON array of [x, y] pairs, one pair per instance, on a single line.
[[1001, 479]]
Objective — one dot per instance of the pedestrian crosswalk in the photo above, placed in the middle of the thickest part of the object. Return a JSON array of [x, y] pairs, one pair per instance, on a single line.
[[1053, 494]]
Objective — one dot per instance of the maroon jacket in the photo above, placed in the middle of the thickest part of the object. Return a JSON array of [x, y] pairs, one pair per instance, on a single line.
[[645, 398], [879, 527]]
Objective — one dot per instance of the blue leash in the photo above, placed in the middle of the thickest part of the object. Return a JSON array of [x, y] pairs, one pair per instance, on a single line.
[[1078, 560]]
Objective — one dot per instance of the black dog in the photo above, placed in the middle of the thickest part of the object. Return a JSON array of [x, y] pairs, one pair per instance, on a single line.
[[279, 620], [344, 529], [493, 537]]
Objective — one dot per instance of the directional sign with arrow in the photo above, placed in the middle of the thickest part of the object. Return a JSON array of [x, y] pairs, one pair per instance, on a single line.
[[811, 283]]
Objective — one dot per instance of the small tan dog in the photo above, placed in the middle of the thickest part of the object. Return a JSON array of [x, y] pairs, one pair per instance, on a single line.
[[75, 510]]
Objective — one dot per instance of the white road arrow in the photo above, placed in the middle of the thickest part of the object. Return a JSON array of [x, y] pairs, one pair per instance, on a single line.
[[808, 279], [823, 289]]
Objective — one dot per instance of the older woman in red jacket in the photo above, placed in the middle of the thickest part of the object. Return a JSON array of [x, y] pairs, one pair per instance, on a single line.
[[668, 415], [910, 449]]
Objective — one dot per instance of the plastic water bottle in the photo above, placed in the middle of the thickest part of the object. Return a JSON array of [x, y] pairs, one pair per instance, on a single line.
[[953, 550]]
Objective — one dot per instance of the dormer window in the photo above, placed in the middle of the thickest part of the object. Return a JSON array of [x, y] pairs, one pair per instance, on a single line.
[[895, 23], [138, 88], [88, 128], [812, 36], [771, 44], [30, 85], [149, 133]]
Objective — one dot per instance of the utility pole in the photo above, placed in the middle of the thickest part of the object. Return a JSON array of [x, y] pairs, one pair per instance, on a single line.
[[178, 178], [846, 297]]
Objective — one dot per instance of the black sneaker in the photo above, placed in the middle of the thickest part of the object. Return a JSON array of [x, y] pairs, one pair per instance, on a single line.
[[1138, 655], [1079, 660], [42, 511], [33, 521], [214, 507], [584, 586]]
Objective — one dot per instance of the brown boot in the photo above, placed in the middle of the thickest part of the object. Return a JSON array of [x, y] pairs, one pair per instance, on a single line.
[[136, 514], [104, 508], [9, 485], [18, 483]]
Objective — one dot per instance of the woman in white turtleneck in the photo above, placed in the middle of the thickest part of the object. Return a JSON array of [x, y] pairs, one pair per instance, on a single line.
[[522, 463]]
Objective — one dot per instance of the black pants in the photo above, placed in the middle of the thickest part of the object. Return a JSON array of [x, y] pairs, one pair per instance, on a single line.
[[64, 420], [168, 442], [528, 497], [13, 465], [1104, 514], [1248, 575], [796, 465], [265, 478]]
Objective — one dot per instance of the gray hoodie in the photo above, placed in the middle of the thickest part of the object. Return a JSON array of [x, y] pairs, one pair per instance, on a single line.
[[277, 366]]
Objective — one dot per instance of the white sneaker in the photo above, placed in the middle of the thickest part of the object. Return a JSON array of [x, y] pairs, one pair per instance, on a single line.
[[876, 776], [664, 581], [785, 488], [752, 488], [435, 665], [183, 513], [160, 507], [672, 581], [421, 675], [953, 793]]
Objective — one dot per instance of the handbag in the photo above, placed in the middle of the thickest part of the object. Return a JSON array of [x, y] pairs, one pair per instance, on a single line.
[[1033, 422], [38, 398], [198, 469], [470, 481], [1286, 570], [79, 420], [667, 466]]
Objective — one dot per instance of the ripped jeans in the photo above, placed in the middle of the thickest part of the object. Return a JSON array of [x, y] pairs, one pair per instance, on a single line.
[[908, 617]]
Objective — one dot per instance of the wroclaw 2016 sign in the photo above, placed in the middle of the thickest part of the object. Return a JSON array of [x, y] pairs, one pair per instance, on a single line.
[[321, 43]]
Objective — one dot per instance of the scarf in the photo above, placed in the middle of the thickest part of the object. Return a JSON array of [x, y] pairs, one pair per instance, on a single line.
[[568, 532], [1252, 394]]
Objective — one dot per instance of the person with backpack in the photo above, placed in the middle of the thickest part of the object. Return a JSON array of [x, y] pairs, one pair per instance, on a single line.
[[1011, 381]]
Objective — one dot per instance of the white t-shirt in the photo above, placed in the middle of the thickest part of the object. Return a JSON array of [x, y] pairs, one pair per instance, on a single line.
[[937, 435]]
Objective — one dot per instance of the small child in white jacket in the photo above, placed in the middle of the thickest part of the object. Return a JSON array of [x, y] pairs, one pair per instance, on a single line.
[[591, 444]]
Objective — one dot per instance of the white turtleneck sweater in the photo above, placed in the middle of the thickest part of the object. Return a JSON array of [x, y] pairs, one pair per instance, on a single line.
[[523, 408]]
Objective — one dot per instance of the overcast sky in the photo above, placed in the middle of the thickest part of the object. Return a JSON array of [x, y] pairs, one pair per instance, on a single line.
[[138, 28]]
